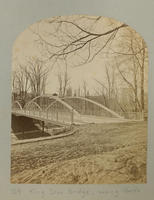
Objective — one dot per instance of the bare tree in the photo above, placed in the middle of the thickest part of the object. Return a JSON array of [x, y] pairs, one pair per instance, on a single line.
[[14, 85], [84, 88], [77, 40], [37, 75], [141, 59], [108, 86], [75, 36], [60, 82], [79, 91], [20, 83], [69, 91], [63, 80], [136, 59]]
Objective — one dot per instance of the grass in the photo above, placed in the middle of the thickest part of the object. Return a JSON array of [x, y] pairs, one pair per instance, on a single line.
[[99, 153]]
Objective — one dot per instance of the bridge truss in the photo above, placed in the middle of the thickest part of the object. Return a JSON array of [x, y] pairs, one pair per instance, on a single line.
[[67, 110]]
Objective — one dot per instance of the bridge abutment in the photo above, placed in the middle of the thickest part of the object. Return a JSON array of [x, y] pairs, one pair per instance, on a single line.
[[22, 124]]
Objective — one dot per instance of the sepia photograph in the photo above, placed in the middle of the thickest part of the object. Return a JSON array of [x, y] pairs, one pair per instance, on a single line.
[[79, 102]]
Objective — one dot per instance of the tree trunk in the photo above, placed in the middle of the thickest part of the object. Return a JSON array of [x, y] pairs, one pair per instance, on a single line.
[[142, 82]]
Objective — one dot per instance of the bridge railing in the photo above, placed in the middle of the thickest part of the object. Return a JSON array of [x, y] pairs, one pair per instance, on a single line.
[[87, 106], [132, 115], [57, 111]]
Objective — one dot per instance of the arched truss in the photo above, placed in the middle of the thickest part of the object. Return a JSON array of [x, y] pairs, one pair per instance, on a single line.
[[18, 104], [95, 103], [58, 110], [65, 104], [56, 99], [70, 108], [31, 103]]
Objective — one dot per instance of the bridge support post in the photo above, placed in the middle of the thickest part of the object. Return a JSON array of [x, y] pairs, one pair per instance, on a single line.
[[47, 114], [42, 126]]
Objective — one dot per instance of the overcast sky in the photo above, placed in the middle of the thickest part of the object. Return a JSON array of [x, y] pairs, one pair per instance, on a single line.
[[25, 47]]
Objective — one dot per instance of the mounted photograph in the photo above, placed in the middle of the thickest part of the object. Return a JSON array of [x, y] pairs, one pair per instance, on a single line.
[[79, 102]]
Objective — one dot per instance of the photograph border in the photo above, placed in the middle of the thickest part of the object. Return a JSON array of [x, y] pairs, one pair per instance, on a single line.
[[16, 16]]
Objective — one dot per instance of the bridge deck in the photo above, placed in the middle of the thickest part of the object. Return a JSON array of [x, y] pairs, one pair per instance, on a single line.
[[42, 116], [64, 118]]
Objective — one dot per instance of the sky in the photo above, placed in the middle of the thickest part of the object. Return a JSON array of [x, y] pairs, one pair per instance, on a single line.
[[26, 46]]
